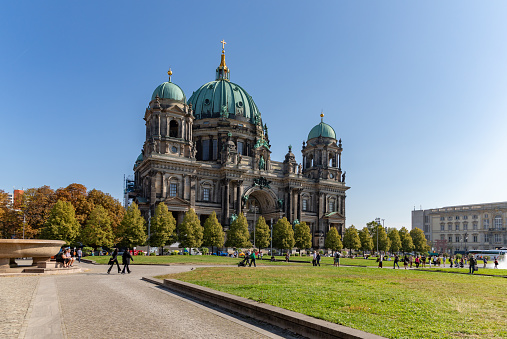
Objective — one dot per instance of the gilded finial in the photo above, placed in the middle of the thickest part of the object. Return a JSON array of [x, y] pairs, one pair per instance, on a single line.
[[169, 72], [322, 116]]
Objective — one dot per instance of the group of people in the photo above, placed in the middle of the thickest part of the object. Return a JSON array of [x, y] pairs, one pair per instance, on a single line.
[[436, 261], [67, 257], [316, 258], [126, 257]]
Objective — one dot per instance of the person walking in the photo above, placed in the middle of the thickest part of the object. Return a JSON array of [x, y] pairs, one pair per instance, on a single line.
[[125, 260], [79, 254], [252, 259], [318, 259], [396, 260], [379, 260], [471, 268], [496, 262], [336, 259], [114, 260], [485, 261], [247, 258], [411, 260], [314, 260]]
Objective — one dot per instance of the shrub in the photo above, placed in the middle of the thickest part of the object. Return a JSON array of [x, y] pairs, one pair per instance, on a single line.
[[87, 251], [152, 254], [321, 252], [296, 254], [205, 250], [186, 253]]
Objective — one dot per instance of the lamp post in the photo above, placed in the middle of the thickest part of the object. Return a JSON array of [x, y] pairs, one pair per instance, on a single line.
[[149, 224], [377, 221], [254, 209], [271, 226], [465, 240]]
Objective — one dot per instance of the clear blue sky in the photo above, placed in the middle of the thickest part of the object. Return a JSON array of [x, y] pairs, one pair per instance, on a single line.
[[416, 90]]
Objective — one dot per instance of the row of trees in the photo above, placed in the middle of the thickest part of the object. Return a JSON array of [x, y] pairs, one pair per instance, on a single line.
[[96, 219], [393, 241], [67, 213]]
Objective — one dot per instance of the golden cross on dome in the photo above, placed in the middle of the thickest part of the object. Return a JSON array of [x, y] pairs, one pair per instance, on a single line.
[[223, 44]]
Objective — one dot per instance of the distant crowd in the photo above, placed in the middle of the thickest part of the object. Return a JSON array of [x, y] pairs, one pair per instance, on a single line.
[[420, 261]]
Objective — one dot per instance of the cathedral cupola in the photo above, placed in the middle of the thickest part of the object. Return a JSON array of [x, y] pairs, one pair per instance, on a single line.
[[322, 153], [169, 90]]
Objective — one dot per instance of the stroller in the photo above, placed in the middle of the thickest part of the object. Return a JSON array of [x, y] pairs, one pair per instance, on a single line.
[[243, 262]]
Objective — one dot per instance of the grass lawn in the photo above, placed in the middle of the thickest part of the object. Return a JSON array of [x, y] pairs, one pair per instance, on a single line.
[[392, 303], [481, 270]]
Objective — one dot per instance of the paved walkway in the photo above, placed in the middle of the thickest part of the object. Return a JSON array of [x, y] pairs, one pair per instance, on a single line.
[[97, 305]]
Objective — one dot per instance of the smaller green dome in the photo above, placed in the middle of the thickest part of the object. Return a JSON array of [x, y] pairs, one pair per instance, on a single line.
[[169, 90], [140, 158], [322, 130]]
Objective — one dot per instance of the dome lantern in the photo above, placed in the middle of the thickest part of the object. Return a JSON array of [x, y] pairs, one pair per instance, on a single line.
[[222, 70]]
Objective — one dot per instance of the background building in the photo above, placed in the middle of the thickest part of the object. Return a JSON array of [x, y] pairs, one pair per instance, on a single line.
[[466, 227], [212, 153]]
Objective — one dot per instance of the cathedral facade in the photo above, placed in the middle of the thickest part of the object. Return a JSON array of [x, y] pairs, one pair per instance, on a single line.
[[212, 153]]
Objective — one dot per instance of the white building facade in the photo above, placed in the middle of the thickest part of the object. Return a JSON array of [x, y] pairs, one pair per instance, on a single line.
[[465, 227]]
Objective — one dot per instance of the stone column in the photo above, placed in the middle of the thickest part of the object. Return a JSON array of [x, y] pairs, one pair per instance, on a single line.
[[153, 190], [184, 180], [164, 186], [240, 194], [225, 215], [300, 204], [158, 124], [289, 205], [192, 190]]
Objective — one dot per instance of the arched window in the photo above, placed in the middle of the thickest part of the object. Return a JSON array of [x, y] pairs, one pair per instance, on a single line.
[[173, 129]]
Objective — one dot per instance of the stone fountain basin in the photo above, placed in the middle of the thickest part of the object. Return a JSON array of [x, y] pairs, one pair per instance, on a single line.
[[38, 250]]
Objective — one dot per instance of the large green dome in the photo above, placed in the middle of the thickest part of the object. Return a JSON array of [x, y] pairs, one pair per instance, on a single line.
[[322, 130], [169, 90], [222, 97]]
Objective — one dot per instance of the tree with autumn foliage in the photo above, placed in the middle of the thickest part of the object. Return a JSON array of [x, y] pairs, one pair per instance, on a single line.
[[36, 205], [76, 194]]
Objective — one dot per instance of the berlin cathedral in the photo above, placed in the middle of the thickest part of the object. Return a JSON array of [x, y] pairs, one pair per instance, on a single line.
[[212, 153]]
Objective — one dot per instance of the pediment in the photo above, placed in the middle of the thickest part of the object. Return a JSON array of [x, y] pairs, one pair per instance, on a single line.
[[176, 201], [334, 216]]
